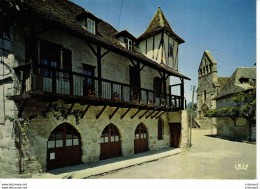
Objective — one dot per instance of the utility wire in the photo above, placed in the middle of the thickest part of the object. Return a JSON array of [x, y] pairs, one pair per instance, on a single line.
[[107, 8], [120, 14]]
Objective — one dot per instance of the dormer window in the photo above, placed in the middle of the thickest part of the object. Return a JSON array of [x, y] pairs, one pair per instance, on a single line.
[[129, 44], [126, 39], [91, 26]]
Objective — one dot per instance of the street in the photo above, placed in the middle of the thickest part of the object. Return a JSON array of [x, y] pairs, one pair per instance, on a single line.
[[209, 158]]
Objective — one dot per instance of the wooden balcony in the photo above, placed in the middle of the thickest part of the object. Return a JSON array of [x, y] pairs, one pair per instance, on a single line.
[[48, 83]]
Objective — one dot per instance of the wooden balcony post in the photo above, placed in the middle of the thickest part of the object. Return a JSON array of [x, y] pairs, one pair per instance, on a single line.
[[54, 80], [99, 71], [122, 93], [182, 93], [71, 83]]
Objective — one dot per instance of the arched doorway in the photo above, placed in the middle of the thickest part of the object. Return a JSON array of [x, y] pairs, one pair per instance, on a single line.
[[63, 147], [141, 139], [110, 143]]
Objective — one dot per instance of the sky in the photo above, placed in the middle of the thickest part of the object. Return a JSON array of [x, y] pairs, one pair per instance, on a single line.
[[227, 28]]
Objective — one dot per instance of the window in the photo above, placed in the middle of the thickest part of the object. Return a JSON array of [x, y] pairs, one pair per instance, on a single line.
[[91, 26], [88, 82], [160, 129], [49, 56], [170, 50], [129, 43], [110, 134]]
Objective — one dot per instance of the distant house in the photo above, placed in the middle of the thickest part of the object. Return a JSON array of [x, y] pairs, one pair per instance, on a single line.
[[97, 93], [217, 92], [243, 79]]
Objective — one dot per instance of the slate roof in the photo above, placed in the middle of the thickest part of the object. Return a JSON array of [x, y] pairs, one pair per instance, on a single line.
[[234, 86], [159, 23], [222, 81], [65, 13]]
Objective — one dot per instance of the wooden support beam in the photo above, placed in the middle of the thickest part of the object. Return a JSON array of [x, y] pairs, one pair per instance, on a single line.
[[155, 114], [142, 67], [167, 76], [21, 108], [135, 113], [85, 111], [149, 114], [105, 53], [131, 60], [140, 117], [114, 112], [160, 73], [100, 113], [92, 49], [160, 115], [125, 113]]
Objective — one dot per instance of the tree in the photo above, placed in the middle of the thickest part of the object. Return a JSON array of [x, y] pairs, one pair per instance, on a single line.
[[245, 107], [246, 103]]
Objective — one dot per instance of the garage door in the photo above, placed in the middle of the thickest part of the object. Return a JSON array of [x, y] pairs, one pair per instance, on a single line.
[[110, 143], [64, 147]]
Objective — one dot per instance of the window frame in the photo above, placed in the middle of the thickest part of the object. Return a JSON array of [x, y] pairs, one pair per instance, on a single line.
[[89, 27], [171, 47], [129, 44]]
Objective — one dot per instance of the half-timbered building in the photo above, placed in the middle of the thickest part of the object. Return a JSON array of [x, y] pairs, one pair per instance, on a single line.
[[75, 90]]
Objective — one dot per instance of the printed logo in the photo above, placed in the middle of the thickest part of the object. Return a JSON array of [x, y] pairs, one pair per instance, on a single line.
[[241, 166]]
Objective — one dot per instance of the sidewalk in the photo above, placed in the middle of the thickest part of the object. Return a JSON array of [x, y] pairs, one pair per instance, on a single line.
[[106, 166]]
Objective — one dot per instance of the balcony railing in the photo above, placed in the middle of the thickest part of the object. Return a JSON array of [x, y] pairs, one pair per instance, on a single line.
[[36, 77]]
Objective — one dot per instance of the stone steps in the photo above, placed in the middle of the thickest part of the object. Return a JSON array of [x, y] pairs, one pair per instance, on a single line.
[[204, 123]]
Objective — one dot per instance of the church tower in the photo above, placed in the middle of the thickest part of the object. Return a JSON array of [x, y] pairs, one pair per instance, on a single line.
[[159, 42], [208, 85]]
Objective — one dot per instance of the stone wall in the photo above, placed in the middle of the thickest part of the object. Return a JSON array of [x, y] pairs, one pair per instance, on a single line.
[[90, 130], [226, 128]]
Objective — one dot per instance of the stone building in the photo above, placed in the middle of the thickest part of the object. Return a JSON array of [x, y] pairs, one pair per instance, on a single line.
[[243, 79], [75, 90], [209, 85], [217, 92]]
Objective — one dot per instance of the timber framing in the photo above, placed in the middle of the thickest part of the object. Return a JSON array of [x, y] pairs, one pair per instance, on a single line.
[[149, 114], [101, 111], [135, 113], [114, 112], [155, 114], [85, 111], [140, 117], [125, 113]]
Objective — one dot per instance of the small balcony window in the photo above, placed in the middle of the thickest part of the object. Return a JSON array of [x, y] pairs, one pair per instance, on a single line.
[[91, 26]]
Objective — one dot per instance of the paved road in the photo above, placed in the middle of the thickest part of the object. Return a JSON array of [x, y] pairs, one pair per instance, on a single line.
[[209, 158]]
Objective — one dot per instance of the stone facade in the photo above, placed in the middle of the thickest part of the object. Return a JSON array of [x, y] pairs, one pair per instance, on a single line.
[[217, 92], [29, 155]]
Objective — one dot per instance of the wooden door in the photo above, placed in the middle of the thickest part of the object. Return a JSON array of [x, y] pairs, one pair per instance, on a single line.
[[110, 144], [141, 139], [64, 147], [175, 130]]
